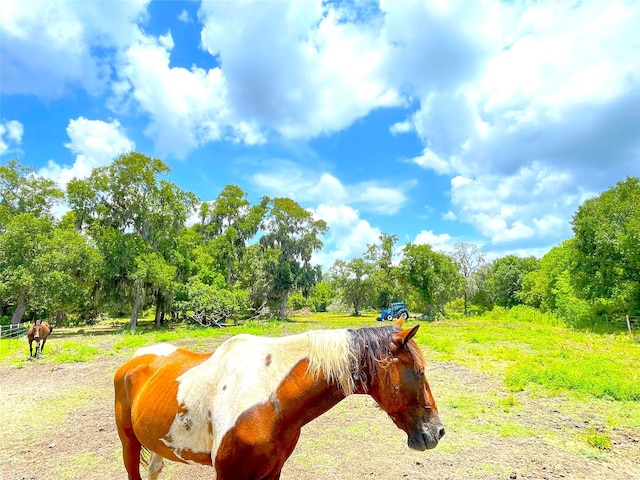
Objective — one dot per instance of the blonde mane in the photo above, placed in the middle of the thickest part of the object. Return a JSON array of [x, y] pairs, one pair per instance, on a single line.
[[330, 352]]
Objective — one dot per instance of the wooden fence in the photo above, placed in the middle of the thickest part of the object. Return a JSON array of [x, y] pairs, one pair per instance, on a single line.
[[632, 321], [13, 331]]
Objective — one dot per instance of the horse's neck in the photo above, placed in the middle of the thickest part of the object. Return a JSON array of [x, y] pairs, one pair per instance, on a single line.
[[305, 397]]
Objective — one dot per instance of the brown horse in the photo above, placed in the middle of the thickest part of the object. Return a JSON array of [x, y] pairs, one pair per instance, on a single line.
[[38, 332], [241, 408]]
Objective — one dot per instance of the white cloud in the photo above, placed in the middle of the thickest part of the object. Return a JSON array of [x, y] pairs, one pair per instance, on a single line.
[[184, 17], [441, 242], [95, 143], [347, 237], [48, 47], [298, 68], [187, 107], [527, 205], [10, 136], [450, 216], [430, 160], [309, 187], [548, 116], [405, 126]]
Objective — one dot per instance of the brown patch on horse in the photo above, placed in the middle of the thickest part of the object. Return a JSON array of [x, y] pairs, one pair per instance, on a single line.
[[298, 399]]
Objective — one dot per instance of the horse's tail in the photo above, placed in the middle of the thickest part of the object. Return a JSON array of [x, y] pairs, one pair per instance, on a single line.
[[50, 329], [145, 456]]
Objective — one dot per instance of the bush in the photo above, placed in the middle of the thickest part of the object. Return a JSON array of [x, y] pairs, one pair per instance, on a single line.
[[298, 302], [574, 311], [321, 297]]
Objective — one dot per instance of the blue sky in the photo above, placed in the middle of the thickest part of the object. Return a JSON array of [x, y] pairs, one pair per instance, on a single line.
[[439, 121]]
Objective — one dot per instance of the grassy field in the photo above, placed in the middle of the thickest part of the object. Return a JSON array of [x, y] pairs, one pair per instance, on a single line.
[[503, 378]]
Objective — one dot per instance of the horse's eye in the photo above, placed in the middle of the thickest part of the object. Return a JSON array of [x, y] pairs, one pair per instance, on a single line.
[[420, 373]]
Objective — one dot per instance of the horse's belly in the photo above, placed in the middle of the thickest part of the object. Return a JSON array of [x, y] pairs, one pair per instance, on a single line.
[[173, 428], [184, 439]]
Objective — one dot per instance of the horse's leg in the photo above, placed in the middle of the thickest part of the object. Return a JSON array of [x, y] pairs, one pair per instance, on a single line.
[[131, 448], [42, 346], [275, 473], [155, 466], [30, 348]]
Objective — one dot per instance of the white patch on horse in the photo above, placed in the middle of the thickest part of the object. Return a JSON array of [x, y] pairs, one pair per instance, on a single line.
[[243, 372], [159, 349]]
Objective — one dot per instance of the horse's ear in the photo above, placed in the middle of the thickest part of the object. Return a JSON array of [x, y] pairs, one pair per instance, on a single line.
[[400, 339], [399, 322]]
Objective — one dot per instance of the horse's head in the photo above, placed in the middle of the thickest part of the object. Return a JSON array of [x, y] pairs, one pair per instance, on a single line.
[[37, 332], [401, 388]]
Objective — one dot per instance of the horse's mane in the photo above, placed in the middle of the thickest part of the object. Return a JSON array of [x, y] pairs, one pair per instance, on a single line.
[[344, 356]]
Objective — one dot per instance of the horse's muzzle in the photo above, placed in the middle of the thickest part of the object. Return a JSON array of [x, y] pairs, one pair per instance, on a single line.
[[427, 437]]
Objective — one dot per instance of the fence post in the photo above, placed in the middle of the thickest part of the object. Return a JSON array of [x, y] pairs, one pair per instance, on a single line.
[[628, 324]]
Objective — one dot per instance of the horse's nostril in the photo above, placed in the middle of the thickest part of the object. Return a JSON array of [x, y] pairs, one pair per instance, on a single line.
[[441, 432]]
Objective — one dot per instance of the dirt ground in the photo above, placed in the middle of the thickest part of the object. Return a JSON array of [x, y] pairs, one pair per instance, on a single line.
[[57, 422]]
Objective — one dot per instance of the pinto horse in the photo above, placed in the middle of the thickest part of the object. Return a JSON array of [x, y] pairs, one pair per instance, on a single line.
[[38, 332], [241, 408]]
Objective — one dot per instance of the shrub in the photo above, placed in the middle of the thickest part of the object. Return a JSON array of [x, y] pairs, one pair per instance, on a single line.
[[298, 302]]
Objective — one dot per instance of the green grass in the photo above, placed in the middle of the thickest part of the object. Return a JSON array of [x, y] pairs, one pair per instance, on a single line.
[[9, 347], [74, 351], [598, 440], [598, 375], [530, 352]]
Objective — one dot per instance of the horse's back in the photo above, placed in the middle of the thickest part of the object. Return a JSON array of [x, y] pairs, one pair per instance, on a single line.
[[148, 361]]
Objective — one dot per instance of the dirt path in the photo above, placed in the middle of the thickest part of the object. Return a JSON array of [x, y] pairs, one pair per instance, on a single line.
[[57, 423]]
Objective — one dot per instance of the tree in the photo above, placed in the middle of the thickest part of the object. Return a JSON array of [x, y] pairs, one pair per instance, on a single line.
[[70, 267], [539, 287], [131, 213], [306, 277], [322, 295], [433, 275], [354, 280], [26, 200], [22, 191], [607, 241], [504, 281], [384, 275], [295, 234], [21, 245], [470, 260], [256, 276], [231, 221]]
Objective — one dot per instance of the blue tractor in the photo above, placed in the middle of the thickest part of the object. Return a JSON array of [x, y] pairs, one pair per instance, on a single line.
[[396, 310]]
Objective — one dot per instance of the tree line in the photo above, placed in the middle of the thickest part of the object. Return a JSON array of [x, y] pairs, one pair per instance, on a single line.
[[131, 241]]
